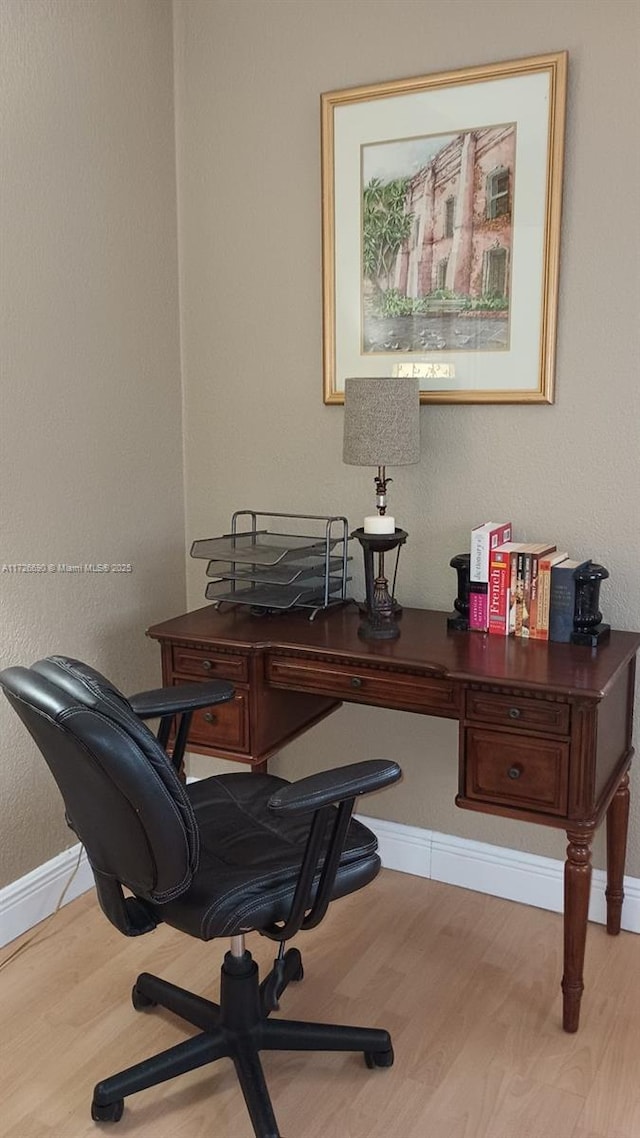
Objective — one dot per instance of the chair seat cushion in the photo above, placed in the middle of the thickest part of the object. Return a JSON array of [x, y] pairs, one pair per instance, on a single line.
[[250, 858]]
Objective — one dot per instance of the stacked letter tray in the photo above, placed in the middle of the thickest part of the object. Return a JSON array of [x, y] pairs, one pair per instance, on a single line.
[[277, 571]]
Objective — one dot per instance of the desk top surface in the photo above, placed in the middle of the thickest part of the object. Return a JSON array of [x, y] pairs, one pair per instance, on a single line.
[[425, 644]]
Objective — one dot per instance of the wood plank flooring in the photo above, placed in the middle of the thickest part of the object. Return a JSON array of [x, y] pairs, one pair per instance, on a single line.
[[467, 984]]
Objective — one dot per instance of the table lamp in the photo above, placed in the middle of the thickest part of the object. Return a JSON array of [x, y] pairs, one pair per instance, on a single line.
[[381, 428]]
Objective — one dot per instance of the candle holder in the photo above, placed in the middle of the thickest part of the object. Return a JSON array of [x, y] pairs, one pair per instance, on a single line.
[[459, 620], [379, 620], [587, 618]]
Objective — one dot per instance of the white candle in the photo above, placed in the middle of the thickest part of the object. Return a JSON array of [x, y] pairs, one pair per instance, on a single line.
[[379, 523]]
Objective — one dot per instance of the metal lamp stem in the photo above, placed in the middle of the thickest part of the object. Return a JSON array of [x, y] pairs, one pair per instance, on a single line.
[[381, 482]]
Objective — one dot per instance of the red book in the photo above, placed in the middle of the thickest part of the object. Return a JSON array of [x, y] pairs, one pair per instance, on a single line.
[[500, 587], [484, 539]]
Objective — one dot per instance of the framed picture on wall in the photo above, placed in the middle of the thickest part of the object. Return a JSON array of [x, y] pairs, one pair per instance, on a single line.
[[441, 200]]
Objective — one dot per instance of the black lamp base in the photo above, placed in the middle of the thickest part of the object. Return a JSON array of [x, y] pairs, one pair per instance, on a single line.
[[367, 630], [381, 611], [363, 608]]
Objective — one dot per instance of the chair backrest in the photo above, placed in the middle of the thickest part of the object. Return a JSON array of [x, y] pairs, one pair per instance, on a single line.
[[122, 796]]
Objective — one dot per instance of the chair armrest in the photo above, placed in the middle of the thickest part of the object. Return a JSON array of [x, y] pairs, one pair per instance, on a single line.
[[337, 785], [175, 700], [329, 796]]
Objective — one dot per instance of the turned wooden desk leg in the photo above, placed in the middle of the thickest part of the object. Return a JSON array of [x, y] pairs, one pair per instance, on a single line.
[[577, 883], [617, 826]]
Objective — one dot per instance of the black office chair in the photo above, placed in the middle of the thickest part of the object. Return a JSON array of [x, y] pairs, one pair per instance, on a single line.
[[224, 856]]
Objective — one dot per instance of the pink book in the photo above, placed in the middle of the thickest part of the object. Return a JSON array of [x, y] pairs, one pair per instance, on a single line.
[[484, 539]]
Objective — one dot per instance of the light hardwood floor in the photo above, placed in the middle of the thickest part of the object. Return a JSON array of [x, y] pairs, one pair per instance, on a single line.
[[468, 985]]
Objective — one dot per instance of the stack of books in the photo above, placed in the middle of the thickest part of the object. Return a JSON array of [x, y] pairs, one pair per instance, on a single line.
[[517, 588]]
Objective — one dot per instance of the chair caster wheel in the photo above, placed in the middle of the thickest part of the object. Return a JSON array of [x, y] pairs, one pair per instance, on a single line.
[[379, 1058], [140, 1001], [112, 1112]]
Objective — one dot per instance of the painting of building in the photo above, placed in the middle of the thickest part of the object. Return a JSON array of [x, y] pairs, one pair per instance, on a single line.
[[447, 261]]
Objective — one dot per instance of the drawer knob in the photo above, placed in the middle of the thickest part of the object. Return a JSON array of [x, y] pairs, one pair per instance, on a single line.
[[209, 717], [356, 682], [207, 665], [514, 772], [514, 713]]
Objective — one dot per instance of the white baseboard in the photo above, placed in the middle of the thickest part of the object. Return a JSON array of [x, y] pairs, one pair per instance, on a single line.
[[35, 896], [516, 876]]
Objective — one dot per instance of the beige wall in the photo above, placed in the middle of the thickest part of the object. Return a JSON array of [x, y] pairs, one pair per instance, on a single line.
[[90, 460], [248, 78], [90, 400]]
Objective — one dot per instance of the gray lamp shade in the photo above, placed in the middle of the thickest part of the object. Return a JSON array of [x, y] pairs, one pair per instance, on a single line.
[[381, 422]]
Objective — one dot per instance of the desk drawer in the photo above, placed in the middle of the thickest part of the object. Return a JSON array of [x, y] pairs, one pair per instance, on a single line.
[[516, 770], [209, 665], [383, 688], [226, 725], [517, 711]]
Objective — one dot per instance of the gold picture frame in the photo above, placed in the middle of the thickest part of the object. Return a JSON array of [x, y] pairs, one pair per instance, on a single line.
[[441, 207]]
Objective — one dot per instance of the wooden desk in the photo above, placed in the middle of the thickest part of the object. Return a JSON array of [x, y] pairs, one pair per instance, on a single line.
[[545, 729]]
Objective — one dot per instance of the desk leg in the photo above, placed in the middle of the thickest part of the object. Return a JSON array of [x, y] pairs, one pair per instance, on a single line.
[[617, 826], [577, 883]]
